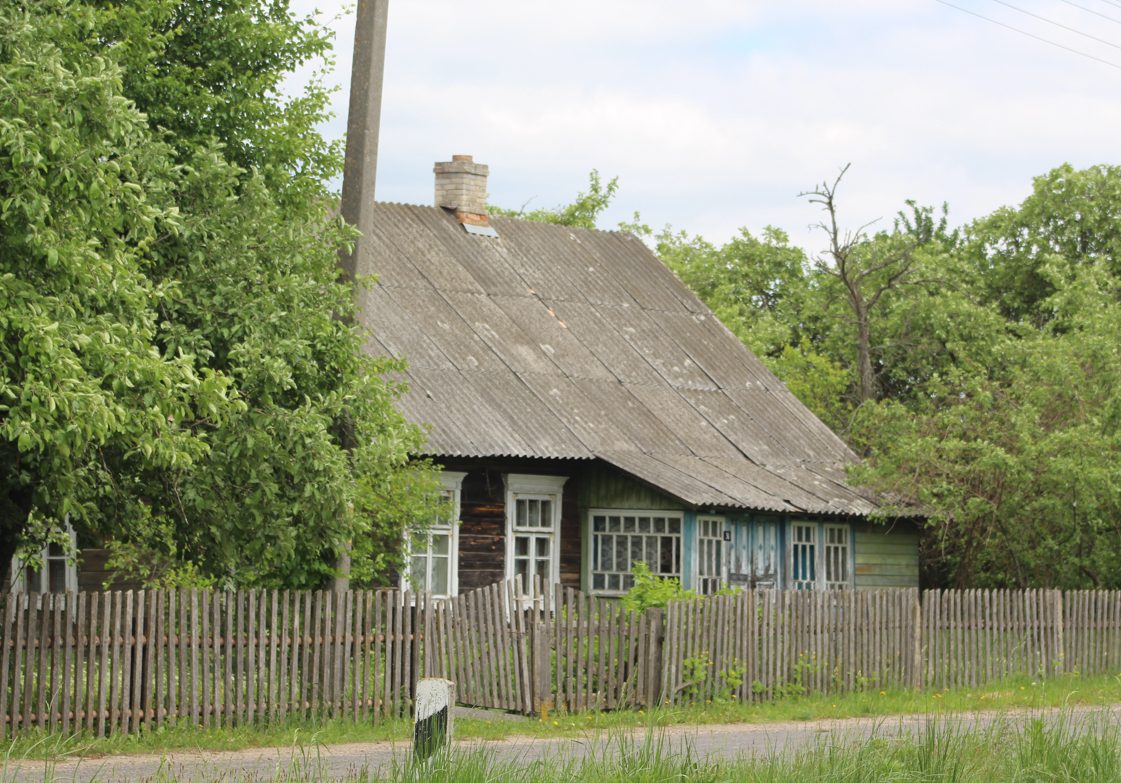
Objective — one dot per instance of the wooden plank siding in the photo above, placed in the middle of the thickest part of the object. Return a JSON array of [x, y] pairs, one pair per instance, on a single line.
[[885, 556], [482, 532]]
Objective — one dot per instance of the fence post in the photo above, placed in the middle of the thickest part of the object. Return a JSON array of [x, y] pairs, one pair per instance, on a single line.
[[916, 624], [656, 633], [1060, 643], [432, 721], [540, 668]]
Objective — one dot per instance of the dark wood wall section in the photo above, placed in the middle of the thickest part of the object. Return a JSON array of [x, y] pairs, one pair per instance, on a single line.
[[482, 534], [94, 573], [482, 542]]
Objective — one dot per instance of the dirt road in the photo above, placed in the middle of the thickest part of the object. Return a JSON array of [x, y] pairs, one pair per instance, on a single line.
[[340, 761]]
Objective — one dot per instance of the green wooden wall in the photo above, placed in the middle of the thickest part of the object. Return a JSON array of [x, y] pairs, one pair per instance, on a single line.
[[885, 555], [606, 487]]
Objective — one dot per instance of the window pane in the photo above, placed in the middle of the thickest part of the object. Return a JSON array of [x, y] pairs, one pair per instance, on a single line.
[[521, 568], [543, 570], [57, 573], [665, 559], [624, 540], [622, 562], [441, 542], [521, 546], [417, 572], [674, 525], [542, 546], [440, 567]]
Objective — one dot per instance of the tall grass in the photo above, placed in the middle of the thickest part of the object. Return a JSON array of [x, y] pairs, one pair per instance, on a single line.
[[1069, 747], [1073, 750]]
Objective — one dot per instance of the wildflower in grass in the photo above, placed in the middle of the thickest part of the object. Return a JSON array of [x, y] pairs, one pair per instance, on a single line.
[[883, 693]]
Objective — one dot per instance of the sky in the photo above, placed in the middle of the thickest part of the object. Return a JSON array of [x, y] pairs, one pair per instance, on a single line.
[[716, 114]]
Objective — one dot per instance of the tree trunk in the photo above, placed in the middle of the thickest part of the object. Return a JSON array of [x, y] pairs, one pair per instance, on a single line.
[[866, 376]]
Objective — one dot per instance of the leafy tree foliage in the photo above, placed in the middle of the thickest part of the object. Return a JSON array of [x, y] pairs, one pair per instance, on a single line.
[[581, 213], [978, 369], [176, 343]]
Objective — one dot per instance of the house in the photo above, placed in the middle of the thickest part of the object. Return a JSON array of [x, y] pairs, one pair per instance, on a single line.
[[591, 413]]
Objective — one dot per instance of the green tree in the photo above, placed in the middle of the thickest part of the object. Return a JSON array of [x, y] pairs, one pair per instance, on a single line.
[[581, 213], [1010, 441], [174, 357], [1026, 254]]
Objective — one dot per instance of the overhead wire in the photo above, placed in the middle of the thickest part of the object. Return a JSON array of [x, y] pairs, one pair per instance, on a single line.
[[1071, 49], [1060, 25], [1107, 17]]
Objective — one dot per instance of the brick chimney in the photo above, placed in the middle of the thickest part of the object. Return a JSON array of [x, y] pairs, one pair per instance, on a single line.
[[461, 185]]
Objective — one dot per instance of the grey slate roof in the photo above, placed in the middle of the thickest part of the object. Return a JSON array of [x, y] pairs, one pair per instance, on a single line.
[[569, 343]]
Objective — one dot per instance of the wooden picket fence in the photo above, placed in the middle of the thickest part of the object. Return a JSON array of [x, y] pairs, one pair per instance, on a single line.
[[123, 662], [765, 644]]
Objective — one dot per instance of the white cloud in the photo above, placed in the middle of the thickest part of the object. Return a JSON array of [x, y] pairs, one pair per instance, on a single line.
[[717, 116]]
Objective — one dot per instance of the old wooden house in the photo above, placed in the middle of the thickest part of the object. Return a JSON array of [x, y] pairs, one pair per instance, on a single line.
[[591, 413]]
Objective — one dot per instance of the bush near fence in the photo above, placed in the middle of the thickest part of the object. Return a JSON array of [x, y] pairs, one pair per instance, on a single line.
[[123, 662]]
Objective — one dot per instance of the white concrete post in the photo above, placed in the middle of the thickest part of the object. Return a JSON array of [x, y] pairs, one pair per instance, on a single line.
[[432, 724]]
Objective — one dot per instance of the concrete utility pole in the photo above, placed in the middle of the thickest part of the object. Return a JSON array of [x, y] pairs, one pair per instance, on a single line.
[[363, 123], [360, 169]]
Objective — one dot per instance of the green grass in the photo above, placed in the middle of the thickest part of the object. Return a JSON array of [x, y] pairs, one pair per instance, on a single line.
[[1069, 749], [1065, 748], [1016, 693]]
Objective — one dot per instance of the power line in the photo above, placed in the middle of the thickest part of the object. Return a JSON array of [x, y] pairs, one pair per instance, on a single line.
[[1032, 35], [1074, 30], [1092, 11], [1113, 3]]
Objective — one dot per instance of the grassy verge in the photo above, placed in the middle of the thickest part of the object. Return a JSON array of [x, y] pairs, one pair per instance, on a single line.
[[1016, 693], [1069, 749]]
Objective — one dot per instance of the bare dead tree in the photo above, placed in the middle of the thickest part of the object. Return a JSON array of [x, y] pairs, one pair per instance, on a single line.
[[866, 270]]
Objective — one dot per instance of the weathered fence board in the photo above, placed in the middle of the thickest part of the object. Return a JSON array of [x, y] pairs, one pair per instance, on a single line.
[[122, 662]]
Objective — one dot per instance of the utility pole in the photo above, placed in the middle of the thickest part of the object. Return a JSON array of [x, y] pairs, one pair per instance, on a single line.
[[360, 171]]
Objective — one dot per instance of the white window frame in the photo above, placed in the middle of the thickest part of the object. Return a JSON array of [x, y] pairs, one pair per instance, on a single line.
[[451, 483], [18, 582], [590, 570], [524, 486], [720, 578], [820, 542], [846, 558]]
